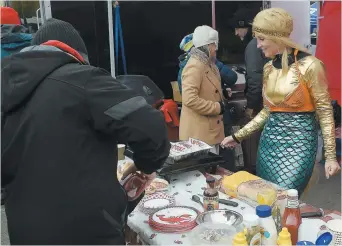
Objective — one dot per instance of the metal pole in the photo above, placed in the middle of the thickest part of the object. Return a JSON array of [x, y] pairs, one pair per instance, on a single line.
[[47, 10], [111, 37], [318, 14], [213, 14]]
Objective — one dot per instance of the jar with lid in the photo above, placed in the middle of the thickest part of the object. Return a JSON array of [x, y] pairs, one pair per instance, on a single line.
[[210, 195], [252, 229]]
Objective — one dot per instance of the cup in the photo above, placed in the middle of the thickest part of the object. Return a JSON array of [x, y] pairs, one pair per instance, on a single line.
[[121, 152], [335, 228]]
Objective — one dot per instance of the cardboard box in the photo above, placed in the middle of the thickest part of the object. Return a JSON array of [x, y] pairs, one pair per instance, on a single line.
[[177, 97]]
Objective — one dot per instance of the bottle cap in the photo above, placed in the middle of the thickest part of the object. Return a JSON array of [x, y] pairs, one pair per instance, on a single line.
[[210, 180], [263, 211], [292, 192], [250, 220], [324, 239]]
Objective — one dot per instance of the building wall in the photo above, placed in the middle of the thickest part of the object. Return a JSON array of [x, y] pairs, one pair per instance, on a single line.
[[300, 12]]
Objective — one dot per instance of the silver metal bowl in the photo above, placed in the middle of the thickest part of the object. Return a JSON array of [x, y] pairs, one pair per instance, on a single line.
[[225, 216]]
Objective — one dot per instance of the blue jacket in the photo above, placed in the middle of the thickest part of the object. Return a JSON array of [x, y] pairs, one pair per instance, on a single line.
[[13, 39], [228, 76]]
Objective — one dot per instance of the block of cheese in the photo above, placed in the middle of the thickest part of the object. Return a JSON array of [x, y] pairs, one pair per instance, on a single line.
[[231, 183], [249, 188]]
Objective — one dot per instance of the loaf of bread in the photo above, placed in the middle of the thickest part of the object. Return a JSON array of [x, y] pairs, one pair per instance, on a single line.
[[122, 168], [249, 188]]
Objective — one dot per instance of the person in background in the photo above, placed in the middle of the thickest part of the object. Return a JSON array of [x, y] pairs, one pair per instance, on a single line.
[[62, 121], [202, 96], [254, 63], [295, 90], [228, 76], [242, 23], [14, 36]]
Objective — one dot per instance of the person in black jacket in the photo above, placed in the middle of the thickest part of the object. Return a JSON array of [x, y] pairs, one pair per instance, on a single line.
[[242, 23], [254, 62], [62, 121]]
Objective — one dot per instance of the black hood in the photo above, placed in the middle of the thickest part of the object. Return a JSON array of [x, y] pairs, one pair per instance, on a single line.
[[22, 73]]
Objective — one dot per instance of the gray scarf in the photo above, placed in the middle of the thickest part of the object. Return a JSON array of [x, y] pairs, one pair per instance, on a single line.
[[204, 58]]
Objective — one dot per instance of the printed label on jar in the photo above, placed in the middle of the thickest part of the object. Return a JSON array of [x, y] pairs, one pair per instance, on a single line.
[[292, 203], [210, 203]]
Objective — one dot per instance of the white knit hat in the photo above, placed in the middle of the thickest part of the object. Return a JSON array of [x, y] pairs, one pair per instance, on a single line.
[[204, 35]]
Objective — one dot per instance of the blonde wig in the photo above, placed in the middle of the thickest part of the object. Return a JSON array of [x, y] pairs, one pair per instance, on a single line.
[[276, 24]]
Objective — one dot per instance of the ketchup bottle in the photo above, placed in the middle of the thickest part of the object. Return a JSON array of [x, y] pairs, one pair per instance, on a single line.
[[292, 218]]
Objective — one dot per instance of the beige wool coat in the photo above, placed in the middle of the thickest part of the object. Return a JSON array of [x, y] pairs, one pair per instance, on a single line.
[[201, 94]]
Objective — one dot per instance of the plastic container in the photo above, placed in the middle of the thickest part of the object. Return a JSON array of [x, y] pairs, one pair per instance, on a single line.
[[268, 230], [134, 185], [284, 238], [212, 234], [252, 229], [292, 217]]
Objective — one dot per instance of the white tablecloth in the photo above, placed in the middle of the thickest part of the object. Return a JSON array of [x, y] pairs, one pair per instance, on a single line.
[[182, 186]]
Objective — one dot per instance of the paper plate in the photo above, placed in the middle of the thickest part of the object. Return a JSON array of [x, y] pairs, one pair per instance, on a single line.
[[157, 185], [178, 217], [173, 230], [156, 201]]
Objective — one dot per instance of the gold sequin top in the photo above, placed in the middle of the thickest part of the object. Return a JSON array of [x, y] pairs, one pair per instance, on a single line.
[[303, 89]]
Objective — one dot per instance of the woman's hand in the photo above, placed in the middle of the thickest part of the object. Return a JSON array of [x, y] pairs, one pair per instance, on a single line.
[[331, 168], [228, 142], [229, 92]]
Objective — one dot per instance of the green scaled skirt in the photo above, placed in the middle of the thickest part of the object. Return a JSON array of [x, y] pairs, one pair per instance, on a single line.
[[287, 149]]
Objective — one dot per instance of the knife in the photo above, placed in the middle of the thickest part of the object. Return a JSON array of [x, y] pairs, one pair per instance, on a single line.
[[228, 203], [316, 214], [225, 202]]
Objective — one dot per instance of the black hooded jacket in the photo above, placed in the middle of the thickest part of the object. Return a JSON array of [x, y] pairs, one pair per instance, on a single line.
[[61, 124], [254, 61]]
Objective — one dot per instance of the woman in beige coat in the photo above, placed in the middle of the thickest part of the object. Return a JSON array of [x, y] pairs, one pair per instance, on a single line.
[[202, 98]]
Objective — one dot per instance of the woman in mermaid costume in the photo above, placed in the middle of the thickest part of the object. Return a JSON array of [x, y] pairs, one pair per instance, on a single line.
[[295, 93]]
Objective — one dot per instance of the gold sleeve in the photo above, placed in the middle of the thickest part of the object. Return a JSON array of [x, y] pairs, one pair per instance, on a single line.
[[318, 87], [254, 125]]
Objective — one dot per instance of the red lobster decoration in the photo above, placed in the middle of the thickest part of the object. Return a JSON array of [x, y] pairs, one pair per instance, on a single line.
[[182, 219]]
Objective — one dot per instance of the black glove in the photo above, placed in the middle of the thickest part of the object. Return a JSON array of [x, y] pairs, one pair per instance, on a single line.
[[223, 107]]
